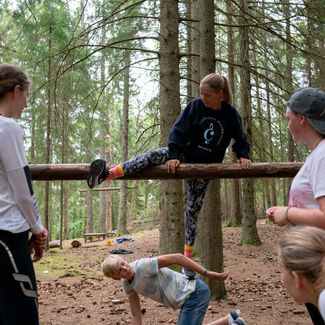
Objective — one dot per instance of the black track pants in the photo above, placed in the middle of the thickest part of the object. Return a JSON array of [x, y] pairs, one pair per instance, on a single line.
[[18, 296]]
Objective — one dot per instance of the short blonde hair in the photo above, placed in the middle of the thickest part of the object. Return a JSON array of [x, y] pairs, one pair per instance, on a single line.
[[302, 250], [109, 266]]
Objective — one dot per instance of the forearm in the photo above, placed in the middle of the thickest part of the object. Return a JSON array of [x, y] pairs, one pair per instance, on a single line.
[[20, 183], [304, 216], [180, 259]]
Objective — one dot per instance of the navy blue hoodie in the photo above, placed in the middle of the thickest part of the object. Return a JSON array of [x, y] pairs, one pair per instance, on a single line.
[[203, 134]]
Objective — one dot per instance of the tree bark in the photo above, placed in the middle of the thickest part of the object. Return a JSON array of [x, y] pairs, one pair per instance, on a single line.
[[102, 132], [236, 216], [211, 255], [249, 233], [171, 224], [211, 245], [121, 228], [184, 171]]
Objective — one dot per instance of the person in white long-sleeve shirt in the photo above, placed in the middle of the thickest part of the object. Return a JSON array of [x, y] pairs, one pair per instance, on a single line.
[[19, 213]]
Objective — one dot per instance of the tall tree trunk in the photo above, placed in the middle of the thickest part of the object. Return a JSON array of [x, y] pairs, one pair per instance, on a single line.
[[48, 138], [171, 220], [249, 233], [90, 219], [102, 134], [212, 214], [289, 86], [235, 211], [211, 252], [125, 134], [195, 49]]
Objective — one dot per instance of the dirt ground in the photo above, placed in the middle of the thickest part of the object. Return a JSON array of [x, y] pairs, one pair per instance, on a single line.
[[73, 291]]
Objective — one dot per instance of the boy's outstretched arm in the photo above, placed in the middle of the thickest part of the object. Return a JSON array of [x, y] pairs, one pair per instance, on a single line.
[[134, 301], [180, 259]]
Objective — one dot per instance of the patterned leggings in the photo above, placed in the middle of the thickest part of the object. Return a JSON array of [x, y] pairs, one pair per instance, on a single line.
[[196, 188]]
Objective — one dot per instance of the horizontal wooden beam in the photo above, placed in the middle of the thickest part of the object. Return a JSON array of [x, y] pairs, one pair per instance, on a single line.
[[104, 189], [184, 171]]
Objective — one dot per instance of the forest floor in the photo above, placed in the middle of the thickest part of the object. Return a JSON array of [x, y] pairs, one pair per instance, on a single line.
[[73, 290]]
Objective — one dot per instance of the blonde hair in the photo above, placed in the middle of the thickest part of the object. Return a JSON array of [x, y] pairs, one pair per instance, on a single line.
[[302, 249], [217, 83], [10, 77], [109, 266]]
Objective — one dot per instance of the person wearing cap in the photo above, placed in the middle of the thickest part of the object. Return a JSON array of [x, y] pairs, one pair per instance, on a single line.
[[306, 121]]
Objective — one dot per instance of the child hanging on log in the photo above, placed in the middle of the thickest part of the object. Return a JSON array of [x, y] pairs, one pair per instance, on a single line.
[[152, 278], [201, 134]]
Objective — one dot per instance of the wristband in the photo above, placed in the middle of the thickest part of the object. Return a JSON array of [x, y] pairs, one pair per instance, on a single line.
[[205, 272], [287, 211]]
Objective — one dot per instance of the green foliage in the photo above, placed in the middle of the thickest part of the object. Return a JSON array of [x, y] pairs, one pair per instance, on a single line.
[[60, 47]]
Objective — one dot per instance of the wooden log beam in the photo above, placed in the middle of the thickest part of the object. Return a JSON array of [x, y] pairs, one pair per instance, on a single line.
[[185, 171], [104, 189]]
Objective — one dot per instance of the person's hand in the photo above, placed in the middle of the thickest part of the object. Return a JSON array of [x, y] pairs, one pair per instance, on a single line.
[[245, 163], [277, 214], [217, 276], [41, 238], [171, 165], [36, 251], [37, 244]]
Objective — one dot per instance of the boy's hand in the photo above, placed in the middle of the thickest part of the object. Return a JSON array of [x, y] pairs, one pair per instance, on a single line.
[[217, 276]]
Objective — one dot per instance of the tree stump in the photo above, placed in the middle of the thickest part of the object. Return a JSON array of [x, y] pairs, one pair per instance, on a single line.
[[76, 243]]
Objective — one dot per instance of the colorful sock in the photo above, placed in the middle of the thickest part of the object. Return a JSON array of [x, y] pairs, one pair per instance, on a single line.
[[115, 172], [188, 250], [233, 315]]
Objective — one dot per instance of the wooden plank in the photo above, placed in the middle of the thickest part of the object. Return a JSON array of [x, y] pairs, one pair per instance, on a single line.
[[184, 171]]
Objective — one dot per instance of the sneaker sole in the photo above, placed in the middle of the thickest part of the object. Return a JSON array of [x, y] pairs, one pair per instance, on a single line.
[[96, 169]]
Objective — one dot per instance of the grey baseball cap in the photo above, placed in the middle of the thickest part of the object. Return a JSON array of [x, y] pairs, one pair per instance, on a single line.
[[310, 102]]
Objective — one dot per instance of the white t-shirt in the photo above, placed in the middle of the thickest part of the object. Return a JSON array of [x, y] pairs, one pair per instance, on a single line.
[[309, 183], [163, 285], [18, 206], [321, 304]]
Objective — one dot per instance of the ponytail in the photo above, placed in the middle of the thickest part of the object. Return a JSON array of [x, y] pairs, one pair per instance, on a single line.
[[227, 92], [217, 83]]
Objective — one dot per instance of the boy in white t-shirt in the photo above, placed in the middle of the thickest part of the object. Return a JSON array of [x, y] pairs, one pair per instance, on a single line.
[[151, 278]]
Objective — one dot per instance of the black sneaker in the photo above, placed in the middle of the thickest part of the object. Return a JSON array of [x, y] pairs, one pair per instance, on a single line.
[[190, 274], [239, 321], [97, 173]]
